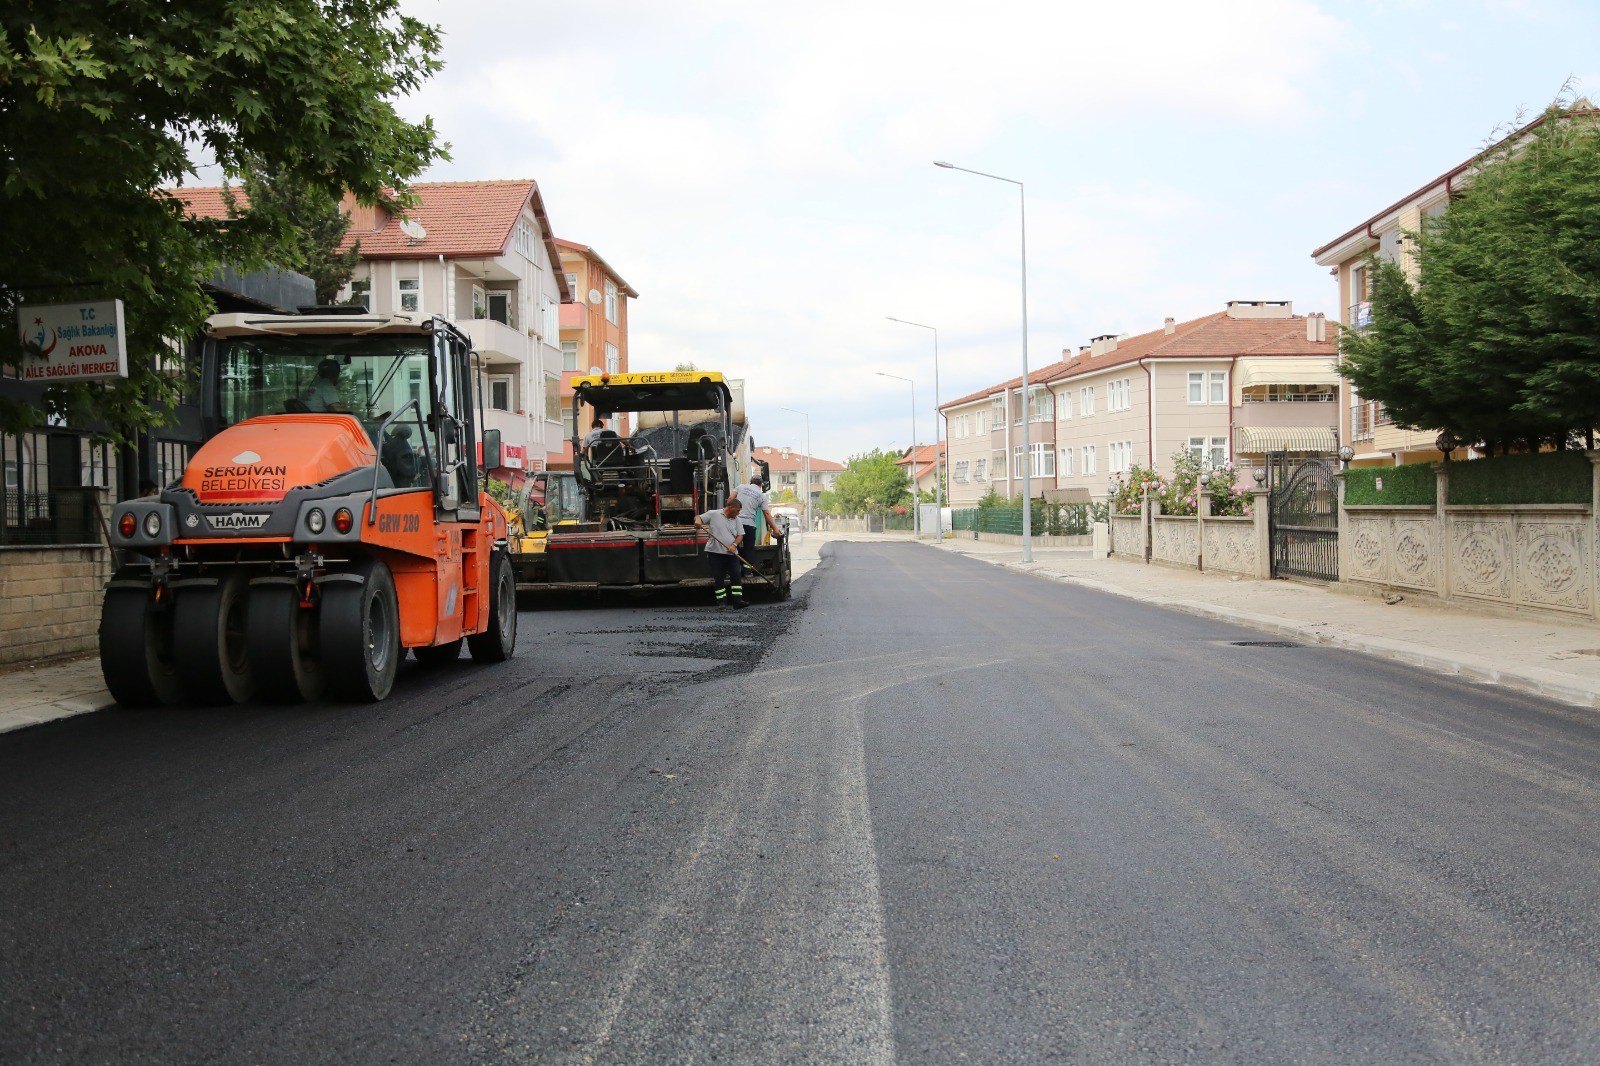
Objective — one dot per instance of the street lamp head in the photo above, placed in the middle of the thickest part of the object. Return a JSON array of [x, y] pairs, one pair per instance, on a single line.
[[942, 163]]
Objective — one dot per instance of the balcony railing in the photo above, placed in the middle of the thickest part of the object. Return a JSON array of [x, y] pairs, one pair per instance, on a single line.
[[1359, 315], [1365, 417]]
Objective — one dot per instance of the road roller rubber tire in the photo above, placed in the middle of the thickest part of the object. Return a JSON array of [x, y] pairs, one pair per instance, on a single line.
[[212, 640], [283, 645], [497, 643], [361, 635], [136, 650]]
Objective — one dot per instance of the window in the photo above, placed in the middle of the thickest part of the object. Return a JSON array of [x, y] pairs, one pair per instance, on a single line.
[[978, 424], [410, 290], [1086, 401], [1211, 451], [1088, 457], [611, 301], [979, 469], [549, 319], [524, 239], [569, 355], [1064, 406], [500, 308], [961, 471], [572, 286], [613, 359], [361, 292], [997, 466], [480, 302], [1044, 406], [552, 397], [1119, 457], [1119, 395], [1207, 387], [1044, 459], [1065, 469], [961, 426], [500, 394], [1017, 469]]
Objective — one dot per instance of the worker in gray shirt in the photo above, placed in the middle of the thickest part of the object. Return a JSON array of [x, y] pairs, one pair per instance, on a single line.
[[753, 502], [722, 552]]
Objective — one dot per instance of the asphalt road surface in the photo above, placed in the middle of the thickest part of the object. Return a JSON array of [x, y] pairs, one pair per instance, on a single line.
[[927, 811]]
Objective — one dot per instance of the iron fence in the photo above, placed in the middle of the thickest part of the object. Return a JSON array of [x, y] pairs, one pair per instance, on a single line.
[[58, 516]]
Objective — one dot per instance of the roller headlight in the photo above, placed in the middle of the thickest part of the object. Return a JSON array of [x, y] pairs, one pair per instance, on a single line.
[[316, 521], [152, 524]]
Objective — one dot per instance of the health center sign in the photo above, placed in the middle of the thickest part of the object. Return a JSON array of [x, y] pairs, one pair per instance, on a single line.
[[73, 342]]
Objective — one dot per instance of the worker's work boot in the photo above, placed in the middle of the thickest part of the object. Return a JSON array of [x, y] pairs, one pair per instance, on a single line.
[[737, 596]]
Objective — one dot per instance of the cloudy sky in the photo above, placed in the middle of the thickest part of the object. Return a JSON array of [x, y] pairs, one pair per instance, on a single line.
[[762, 173]]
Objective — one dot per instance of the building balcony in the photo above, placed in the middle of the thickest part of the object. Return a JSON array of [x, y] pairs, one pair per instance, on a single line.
[[1359, 315], [498, 342]]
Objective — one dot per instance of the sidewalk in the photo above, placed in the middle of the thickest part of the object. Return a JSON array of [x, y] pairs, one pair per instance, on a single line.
[[1550, 657]]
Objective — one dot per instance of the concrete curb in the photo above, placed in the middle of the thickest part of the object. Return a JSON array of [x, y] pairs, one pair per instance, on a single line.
[[39, 713]]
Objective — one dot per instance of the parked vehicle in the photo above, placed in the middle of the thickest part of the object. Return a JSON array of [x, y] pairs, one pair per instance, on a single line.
[[332, 521]]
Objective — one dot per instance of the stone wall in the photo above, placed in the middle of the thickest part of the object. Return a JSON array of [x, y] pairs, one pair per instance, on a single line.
[[50, 601]]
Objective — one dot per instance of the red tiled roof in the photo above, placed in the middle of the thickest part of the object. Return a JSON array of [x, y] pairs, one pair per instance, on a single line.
[[794, 461], [207, 201], [463, 220], [925, 454], [584, 249], [1215, 336]]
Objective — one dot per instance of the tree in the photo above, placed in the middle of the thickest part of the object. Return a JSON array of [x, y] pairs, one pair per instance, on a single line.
[[871, 483], [1498, 340], [828, 503], [686, 367], [318, 225], [101, 106], [785, 496]]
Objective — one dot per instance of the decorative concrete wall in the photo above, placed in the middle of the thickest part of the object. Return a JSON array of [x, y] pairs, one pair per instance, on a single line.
[[1127, 536], [1533, 557], [1230, 544]]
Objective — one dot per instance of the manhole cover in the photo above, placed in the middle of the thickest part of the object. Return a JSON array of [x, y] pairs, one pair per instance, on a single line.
[[1265, 644]]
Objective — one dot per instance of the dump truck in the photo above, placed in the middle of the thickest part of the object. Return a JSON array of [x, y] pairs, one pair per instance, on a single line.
[[640, 494], [331, 521]]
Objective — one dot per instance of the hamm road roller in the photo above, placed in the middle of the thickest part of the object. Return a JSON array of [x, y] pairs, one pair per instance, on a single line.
[[332, 520]]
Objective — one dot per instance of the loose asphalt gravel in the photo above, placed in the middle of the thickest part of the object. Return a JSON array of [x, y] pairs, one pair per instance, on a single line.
[[927, 811]]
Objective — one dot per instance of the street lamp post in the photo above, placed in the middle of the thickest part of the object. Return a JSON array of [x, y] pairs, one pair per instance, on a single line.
[[1027, 456], [806, 494], [938, 449], [916, 518]]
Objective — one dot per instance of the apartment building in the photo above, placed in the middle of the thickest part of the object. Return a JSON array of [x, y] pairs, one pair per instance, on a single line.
[[594, 333], [788, 469], [922, 464], [1364, 424], [1229, 387], [983, 432], [481, 254]]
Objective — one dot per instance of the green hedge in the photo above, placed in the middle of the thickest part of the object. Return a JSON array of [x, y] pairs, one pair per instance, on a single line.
[[1547, 477], [1409, 485]]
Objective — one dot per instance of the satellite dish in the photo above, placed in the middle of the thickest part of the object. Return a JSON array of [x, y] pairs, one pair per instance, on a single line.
[[594, 296], [413, 229]]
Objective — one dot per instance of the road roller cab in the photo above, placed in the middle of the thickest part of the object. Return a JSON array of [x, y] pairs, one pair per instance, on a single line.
[[332, 520]]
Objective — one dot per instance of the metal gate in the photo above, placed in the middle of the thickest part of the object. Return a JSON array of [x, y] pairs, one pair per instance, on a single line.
[[1304, 509]]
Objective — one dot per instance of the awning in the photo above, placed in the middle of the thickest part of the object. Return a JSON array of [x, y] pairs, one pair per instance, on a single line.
[[1257, 440], [1282, 370]]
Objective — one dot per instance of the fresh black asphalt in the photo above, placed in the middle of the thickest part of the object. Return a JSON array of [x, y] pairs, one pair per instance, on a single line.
[[927, 811]]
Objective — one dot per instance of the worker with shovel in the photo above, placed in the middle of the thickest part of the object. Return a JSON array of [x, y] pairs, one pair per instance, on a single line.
[[727, 569]]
